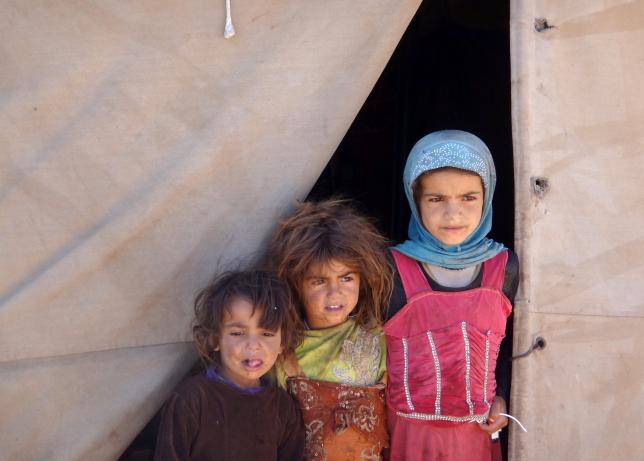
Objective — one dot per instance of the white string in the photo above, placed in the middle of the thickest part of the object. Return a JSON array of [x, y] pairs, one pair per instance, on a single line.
[[514, 419], [229, 29]]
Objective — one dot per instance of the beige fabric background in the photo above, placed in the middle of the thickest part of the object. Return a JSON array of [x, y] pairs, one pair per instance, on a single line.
[[140, 152], [578, 108]]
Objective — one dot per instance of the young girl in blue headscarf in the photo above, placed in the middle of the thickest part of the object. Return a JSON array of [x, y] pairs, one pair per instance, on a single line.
[[447, 387]]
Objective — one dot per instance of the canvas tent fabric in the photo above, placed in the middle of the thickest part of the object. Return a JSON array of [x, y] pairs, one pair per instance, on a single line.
[[578, 118], [141, 152]]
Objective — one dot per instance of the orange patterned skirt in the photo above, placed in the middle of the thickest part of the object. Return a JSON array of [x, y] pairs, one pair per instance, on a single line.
[[343, 422]]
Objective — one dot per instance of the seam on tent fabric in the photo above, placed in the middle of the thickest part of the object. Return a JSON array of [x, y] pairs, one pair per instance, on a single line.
[[88, 352], [585, 314]]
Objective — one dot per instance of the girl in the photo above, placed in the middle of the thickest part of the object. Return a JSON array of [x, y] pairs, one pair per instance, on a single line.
[[243, 321], [335, 263], [447, 316]]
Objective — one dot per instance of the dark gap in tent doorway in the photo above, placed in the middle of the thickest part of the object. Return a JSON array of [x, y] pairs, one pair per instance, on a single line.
[[451, 70]]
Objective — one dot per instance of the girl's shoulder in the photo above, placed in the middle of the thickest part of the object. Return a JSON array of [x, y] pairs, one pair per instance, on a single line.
[[511, 279], [193, 385], [192, 394], [512, 266]]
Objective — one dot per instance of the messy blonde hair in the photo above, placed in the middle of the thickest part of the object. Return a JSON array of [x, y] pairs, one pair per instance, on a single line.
[[318, 232]]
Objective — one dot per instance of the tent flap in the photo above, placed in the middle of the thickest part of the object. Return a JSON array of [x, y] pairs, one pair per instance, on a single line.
[[142, 152], [578, 109]]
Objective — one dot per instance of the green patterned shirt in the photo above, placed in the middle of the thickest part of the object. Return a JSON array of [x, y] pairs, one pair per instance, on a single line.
[[346, 353]]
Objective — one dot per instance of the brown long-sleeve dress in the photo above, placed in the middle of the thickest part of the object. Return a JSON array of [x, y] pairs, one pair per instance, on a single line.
[[207, 419]]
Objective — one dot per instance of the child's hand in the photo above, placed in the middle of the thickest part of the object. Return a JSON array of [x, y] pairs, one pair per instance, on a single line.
[[495, 422]]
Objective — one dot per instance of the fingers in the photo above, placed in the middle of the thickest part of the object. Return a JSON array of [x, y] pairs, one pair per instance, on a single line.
[[493, 424]]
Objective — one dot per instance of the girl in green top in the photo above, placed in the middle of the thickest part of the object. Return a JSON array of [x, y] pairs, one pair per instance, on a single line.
[[334, 262]]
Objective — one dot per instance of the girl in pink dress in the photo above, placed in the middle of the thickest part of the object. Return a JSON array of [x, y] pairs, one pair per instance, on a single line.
[[447, 317]]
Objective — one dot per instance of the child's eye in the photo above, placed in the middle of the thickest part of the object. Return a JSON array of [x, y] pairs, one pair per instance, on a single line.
[[434, 199], [347, 278], [236, 333], [469, 198], [269, 334], [319, 281]]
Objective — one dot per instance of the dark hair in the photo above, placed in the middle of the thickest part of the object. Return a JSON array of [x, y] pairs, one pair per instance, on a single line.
[[262, 289], [332, 229]]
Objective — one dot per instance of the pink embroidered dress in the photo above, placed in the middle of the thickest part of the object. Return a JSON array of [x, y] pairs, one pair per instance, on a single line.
[[441, 358]]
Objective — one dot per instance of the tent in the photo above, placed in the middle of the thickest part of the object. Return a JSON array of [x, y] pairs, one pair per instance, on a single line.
[[142, 150], [578, 113]]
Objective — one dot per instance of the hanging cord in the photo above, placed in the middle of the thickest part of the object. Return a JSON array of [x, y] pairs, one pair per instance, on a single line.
[[538, 344], [515, 420], [229, 29], [495, 435]]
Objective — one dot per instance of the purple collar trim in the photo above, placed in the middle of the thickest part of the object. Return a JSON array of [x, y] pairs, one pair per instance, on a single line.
[[212, 374]]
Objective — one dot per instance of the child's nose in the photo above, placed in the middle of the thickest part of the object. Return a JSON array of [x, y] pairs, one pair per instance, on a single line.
[[452, 208], [253, 342], [334, 289]]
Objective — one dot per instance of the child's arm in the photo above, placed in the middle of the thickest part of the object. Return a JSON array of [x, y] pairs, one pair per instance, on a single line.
[[503, 369], [504, 360], [177, 430], [495, 421], [292, 446]]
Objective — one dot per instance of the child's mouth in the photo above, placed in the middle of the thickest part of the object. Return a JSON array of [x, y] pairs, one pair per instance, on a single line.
[[253, 364], [334, 308]]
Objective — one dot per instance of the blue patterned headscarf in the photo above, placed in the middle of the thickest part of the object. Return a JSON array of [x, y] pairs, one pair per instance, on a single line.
[[455, 149]]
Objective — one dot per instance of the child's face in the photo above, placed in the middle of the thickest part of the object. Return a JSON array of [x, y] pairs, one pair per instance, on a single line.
[[247, 350], [450, 204], [329, 292]]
